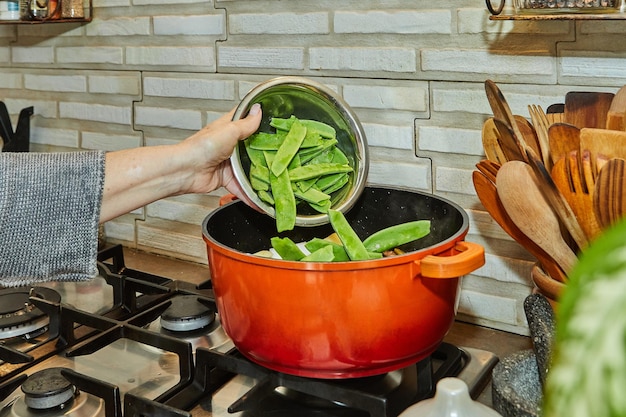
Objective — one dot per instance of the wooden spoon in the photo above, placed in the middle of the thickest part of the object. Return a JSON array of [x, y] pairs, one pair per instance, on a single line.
[[527, 206], [501, 109], [564, 212], [541, 124], [491, 145], [563, 139], [587, 109], [488, 195], [528, 133], [512, 147], [616, 116], [609, 199]]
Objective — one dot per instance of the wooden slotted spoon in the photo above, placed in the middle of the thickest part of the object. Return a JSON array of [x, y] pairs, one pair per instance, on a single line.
[[491, 145], [530, 211], [603, 143], [616, 116], [572, 181]]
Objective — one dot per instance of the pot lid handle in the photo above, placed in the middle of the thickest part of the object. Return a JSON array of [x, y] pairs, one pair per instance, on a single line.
[[470, 257]]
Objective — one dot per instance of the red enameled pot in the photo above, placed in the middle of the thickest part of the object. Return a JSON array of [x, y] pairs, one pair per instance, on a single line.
[[342, 319]]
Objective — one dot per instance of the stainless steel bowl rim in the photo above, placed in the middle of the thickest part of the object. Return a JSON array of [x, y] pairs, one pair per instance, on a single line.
[[360, 144]]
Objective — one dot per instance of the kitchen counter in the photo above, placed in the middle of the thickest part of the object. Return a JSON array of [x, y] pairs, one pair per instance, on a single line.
[[461, 334]]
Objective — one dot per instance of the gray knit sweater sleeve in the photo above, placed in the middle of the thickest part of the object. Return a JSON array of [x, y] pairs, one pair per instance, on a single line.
[[49, 211]]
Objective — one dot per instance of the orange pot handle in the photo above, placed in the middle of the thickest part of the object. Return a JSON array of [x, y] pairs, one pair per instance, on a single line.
[[227, 199], [471, 256]]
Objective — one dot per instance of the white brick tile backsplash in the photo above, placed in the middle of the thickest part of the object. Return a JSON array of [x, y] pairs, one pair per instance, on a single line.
[[486, 62], [198, 56], [9, 79], [167, 117], [96, 140], [279, 23], [190, 25], [392, 59], [5, 54], [404, 174], [449, 140], [43, 108], [590, 64], [189, 88], [385, 97], [32, 55], [454, 180], [90, 55], [403, 21], [96, 112], [114, 84], [59, 83], [282, 58], [487, 306], [399, 137], [50, 136], [120, 26]]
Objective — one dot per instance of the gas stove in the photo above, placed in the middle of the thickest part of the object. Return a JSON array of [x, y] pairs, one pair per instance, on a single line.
[[129, 343]]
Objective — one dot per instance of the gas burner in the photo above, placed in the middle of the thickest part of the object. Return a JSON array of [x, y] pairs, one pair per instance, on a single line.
[[47, 389], [18, 316], [187, 313]]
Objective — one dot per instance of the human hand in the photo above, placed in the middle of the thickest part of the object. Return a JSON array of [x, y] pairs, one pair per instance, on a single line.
[[210, 149]]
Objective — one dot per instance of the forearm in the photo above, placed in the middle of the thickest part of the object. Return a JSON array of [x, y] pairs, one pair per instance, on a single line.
[[137, 177]]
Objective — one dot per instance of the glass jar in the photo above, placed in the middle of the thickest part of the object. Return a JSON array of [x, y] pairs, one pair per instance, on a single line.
[[567, 6], [72, 9]]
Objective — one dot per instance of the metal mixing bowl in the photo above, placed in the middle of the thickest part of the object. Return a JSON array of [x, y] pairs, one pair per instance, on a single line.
[[305, 99]]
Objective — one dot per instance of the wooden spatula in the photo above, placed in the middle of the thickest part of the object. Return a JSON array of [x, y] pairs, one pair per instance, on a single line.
[[563, 139]]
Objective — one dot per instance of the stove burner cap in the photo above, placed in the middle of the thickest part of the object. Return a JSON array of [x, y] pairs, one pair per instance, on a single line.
[[186, 313], [18, 316], [47, 389]]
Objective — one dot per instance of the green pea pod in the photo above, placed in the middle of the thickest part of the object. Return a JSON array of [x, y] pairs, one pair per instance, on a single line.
[[255, 155], [322, 207], [287, 249], [263, 141], [307, 154], [324, 254], [266, 196], [324, 130], [339, 252], [351, 241], [337, 185], [306, 172], [394, 236], [312, 195], [288, 148], [284, 201], [339, 157]]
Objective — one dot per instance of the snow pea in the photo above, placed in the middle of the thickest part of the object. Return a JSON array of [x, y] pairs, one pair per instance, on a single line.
[[323, 254], [287, 249], [394, 236], [339, 252], [288, 148], [351, 241], [324, 130], [263, 141], [306, 172], [312, 195], [284, 201]]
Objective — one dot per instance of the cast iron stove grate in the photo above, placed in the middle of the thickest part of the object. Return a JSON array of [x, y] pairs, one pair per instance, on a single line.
[[277, 393]]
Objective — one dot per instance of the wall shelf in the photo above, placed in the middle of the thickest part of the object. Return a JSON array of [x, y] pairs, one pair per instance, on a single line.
[[560, 16], [87, 12]]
